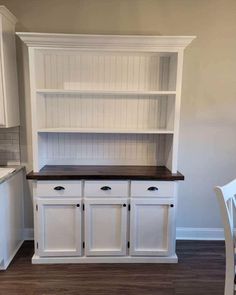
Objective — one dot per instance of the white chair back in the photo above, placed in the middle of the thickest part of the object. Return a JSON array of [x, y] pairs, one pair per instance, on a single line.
[[226, 197]]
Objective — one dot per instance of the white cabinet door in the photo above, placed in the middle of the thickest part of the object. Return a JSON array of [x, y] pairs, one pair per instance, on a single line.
[[59, 227], [151, 227], [9, 100], [106, 227]]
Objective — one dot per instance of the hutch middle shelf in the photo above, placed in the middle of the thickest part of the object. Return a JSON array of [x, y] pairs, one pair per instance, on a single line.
[[100, 130]]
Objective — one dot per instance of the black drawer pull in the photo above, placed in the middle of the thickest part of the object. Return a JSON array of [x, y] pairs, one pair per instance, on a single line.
[[59, 188], [78, 205], [171, 205], [124, 205], [105, 188], [152, 188]]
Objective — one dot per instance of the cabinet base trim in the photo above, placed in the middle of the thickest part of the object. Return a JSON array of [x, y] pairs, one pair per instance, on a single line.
[[128, 259]]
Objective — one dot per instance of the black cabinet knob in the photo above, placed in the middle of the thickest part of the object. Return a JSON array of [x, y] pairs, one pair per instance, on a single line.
[[78, 205], [106, 188], [152, 188], [171, 205], [59, 188], [124, 205]]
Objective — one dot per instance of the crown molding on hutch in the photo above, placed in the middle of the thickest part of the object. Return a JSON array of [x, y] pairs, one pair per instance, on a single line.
[[109, 42]]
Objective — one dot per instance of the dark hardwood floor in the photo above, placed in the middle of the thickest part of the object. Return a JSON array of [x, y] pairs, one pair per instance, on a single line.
[[200, 271]]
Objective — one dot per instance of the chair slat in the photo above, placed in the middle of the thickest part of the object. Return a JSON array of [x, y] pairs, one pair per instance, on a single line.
[[227, 201]]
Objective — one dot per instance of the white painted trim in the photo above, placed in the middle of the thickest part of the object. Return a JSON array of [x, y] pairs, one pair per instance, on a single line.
[[183, 233], [106, 42], [126, 259], [174, 161], [206, 234]]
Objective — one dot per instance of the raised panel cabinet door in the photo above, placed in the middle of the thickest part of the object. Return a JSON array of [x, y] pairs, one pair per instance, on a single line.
[[59, 227], [106, 227], [151, 227]]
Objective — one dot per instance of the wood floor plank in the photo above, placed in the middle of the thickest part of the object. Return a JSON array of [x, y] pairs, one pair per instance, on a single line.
[[200, 271]]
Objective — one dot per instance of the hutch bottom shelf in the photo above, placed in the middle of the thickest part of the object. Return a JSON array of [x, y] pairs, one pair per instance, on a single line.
[[107, 214]]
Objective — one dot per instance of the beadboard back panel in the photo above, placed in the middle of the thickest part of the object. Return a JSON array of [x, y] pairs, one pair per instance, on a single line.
[[104, 149], [106, 111], [73, 69]]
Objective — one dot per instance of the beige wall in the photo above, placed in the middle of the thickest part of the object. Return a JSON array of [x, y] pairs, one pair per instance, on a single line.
[[207, 154]]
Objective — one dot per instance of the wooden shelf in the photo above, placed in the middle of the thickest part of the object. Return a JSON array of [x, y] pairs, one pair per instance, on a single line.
[[74, 172], [103, 130], [105, 92]]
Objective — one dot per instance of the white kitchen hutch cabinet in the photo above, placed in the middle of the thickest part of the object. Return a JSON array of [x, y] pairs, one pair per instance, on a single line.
[[105, 128], [9, 100]]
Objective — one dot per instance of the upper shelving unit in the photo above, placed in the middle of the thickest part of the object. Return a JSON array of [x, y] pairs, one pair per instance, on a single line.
[[105, 100]]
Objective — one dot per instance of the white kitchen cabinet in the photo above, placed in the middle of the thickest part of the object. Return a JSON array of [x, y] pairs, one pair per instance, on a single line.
[[106, 227], [151, 227], [58, 227], [11, 218], [2, 203], [9, 100], [98, 226]]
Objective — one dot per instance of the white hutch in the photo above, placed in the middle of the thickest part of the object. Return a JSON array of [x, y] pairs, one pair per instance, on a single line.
[[105, 128]]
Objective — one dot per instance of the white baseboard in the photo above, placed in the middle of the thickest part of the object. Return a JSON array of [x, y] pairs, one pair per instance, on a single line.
[[182, 233], [192, 233]]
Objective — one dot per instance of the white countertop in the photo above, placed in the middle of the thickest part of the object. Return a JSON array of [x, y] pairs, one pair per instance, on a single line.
[[7, 172]]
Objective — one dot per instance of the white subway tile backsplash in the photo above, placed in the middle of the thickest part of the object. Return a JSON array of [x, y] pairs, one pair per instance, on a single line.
[[9, 146]]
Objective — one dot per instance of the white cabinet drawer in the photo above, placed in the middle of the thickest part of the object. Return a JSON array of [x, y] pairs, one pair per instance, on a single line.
[[152, 188], [58, 188], [106, 188]]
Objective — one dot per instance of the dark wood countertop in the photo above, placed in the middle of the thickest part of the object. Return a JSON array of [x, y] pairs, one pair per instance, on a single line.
[[76, 172]]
